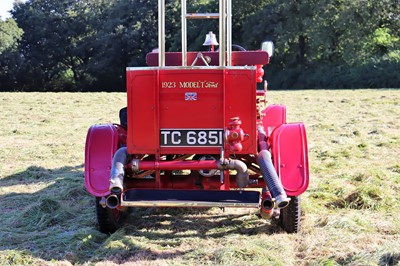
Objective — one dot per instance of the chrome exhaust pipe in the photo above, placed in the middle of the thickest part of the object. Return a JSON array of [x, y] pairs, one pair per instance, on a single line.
[[117, 171], [112, 201]]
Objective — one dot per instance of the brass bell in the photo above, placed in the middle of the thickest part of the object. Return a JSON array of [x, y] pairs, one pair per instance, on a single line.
[[210, 39]]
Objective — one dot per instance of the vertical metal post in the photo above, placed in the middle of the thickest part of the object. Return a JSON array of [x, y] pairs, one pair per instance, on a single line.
[[161, 33], [222, 32], [229, 32], [184, 33]]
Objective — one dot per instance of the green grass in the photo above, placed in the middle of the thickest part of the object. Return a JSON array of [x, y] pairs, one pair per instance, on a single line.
[[351, 209]]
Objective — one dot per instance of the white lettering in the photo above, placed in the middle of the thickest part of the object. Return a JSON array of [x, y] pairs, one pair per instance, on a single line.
[[168, 85], [174, 140], [191, 137], [197, 84], [202, 137], [211, 84], [165, 135], [213, 137]]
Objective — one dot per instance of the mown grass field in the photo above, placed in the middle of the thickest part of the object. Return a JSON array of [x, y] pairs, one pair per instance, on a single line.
[[351, 209]]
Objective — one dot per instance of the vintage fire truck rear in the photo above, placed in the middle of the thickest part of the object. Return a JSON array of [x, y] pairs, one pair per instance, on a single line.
[[198, 133]]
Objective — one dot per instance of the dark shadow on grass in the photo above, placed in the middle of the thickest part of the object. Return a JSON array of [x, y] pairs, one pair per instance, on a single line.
[[36, 174], [168, 228], [53, 218], [389, 259], [202, 223]]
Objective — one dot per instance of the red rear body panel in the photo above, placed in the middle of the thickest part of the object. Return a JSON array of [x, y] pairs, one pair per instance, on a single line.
[[162, 99]]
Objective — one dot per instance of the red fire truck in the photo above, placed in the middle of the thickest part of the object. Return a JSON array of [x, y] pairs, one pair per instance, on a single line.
[[198, 133]]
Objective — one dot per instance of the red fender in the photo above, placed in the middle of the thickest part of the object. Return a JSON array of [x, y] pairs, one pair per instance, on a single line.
[[273, 116], [290, 155], [101, 144]]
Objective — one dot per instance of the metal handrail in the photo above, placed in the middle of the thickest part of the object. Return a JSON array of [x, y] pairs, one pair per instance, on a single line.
[[229, 32], [184, 33], [161, 33], [222, 32]]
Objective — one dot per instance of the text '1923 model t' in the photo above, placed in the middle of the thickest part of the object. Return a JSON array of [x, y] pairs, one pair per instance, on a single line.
[[198, 133]]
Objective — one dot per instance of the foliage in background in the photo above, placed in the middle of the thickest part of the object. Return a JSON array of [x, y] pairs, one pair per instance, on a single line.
[[330, 44], [10, 35], [86, 45]]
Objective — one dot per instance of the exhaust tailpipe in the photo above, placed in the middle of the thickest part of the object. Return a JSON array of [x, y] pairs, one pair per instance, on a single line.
[[112, 201], [117, 171], [271, 179], [267, 205]]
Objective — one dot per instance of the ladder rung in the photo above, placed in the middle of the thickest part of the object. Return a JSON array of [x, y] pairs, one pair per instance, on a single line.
[[202, 15]]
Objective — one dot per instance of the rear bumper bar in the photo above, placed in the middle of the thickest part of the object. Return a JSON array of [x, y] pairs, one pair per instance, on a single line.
[[190, 198]]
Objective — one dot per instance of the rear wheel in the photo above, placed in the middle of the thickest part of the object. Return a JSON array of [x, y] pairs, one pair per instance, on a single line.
[[289, 218], [109, 219]]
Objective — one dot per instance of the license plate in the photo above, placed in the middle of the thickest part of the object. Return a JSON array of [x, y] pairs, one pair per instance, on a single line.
[[191, 137]]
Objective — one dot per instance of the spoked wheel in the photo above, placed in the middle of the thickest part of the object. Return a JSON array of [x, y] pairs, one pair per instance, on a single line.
[[109, 219], [289, 218]]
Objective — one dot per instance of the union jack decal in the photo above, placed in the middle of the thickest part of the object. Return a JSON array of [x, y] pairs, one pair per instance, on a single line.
[[190, 96]]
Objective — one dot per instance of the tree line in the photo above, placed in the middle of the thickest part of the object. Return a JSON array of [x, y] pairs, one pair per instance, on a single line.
[[75, 45]]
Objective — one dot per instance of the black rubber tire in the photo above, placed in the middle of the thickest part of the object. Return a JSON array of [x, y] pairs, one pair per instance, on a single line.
[[289, 218], [109, 220]]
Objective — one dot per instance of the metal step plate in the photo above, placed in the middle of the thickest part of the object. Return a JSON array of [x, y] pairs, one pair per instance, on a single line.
[[190, 198]]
